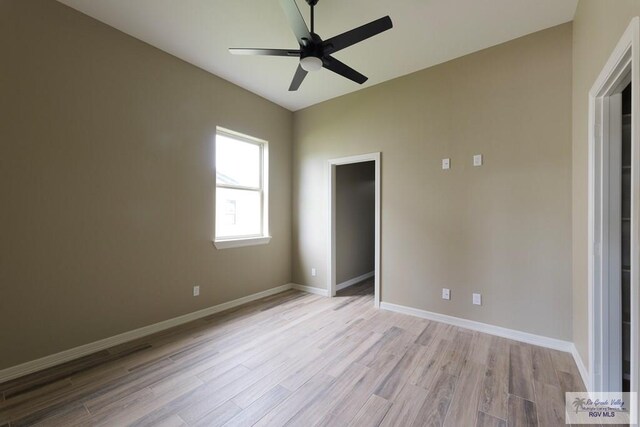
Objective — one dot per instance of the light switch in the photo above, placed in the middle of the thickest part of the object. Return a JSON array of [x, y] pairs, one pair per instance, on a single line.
[[477, 299], [477, 160], [446, 164]]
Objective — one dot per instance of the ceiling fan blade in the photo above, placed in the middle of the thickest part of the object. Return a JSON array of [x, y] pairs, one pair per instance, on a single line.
[[331, 63], [296, 21], [297, 78], [356, 35], [265, 52]]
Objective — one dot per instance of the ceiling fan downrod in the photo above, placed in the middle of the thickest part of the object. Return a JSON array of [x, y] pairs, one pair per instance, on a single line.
[[312, 4]]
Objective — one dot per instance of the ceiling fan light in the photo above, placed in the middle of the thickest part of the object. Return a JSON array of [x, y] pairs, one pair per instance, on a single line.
[[311, 63]]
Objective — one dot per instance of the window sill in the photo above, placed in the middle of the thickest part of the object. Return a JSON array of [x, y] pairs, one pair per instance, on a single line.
[[238, 243]]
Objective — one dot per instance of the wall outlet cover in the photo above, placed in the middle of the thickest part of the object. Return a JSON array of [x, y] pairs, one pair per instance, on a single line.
[[446, 293], [446, 164], [313, 271], [477, 160], [196, 291]]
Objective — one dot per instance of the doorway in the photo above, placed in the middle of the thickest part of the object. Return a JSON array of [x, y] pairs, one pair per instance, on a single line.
[[355, 229], [362, 174], [614, 214]]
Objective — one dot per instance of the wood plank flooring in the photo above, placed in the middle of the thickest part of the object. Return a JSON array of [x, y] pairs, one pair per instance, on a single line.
[[301, 359]]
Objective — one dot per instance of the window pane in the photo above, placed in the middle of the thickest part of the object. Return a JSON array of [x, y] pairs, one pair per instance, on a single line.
[[237, 162], [238, 213]]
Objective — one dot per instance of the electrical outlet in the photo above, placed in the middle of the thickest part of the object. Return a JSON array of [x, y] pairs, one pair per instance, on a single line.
[[196, 291], [477, 299], [446, 293], [477, 160], [446, 164], [313, 272]]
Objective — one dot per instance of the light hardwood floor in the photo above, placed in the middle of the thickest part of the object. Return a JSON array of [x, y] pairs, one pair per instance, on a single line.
[[301, 359]]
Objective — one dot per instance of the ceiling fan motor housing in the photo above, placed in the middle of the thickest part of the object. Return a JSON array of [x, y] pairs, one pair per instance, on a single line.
[[313, 47], [311, 53]]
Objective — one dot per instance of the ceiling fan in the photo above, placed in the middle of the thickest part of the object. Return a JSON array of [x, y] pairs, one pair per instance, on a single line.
[[315, 53]]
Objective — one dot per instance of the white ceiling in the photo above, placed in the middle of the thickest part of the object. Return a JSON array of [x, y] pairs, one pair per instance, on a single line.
[[425, 33]]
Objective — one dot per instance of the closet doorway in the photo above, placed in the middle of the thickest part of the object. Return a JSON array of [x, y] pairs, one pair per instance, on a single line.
[[332, 267]]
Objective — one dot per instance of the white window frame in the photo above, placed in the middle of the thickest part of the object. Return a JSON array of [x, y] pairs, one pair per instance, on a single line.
[[264, 237]]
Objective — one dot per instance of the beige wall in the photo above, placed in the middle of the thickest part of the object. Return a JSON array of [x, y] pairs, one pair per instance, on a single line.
[[503, 229], [598, 25], [107, 185], [106, 180], [355, 220]]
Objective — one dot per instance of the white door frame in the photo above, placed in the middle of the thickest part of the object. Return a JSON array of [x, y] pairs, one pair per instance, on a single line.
[[331, 267], [621, 68]]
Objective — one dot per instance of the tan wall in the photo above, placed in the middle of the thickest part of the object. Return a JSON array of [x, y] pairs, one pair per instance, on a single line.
[[355, 220], [107, 185], [598, 25], [503, 229]]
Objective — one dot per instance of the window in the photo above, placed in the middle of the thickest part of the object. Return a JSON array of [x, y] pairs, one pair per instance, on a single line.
[[241, 190]]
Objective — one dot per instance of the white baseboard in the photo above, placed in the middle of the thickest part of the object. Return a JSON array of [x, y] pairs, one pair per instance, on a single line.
[[310, 289], [512, 334], [84, 350], [355, 280], [584, 373]]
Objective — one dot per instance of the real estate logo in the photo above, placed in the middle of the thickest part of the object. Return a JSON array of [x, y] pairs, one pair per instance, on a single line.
[[601, 408]]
